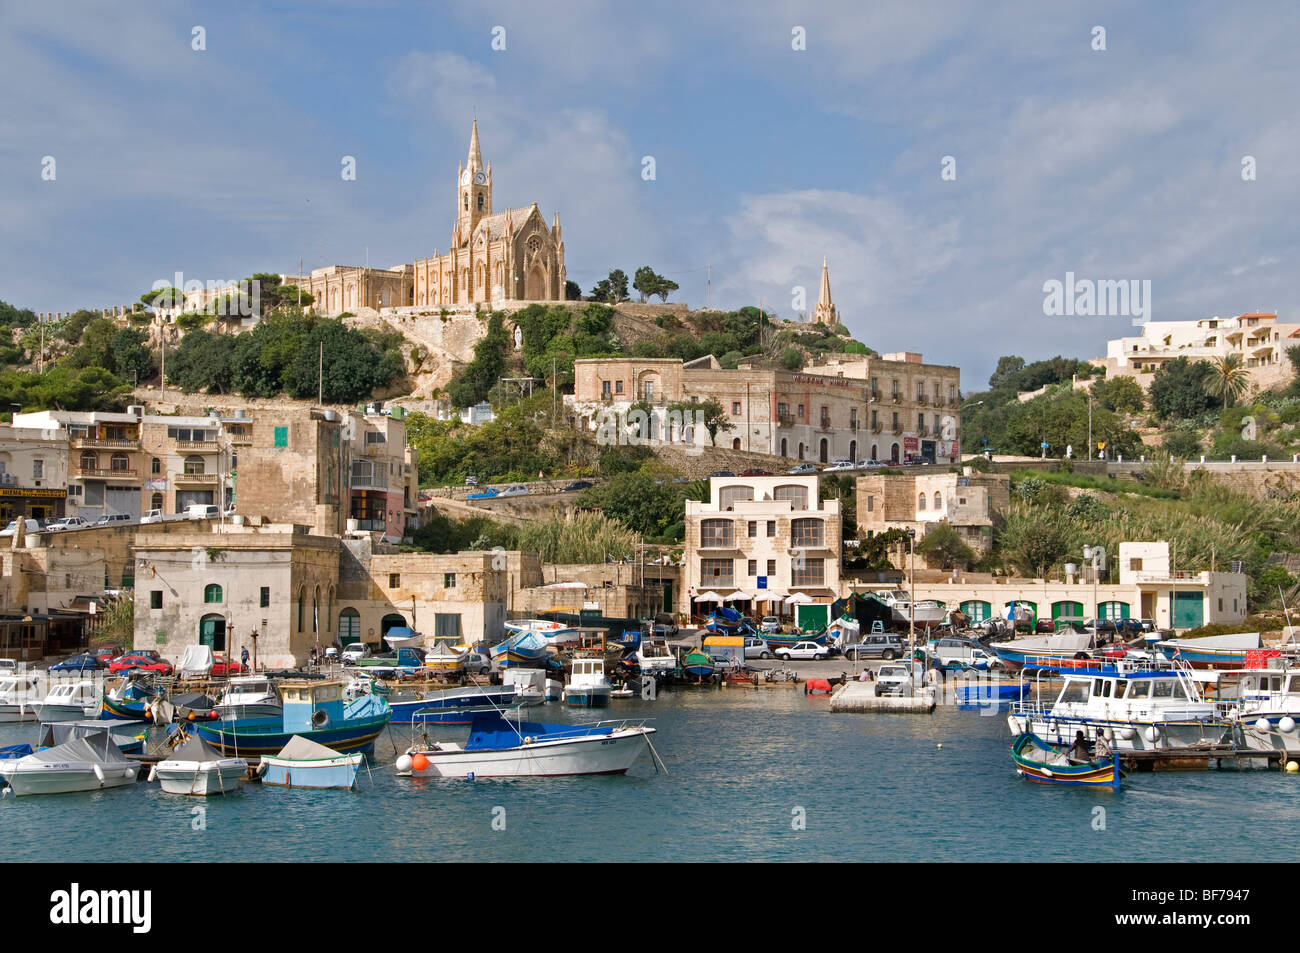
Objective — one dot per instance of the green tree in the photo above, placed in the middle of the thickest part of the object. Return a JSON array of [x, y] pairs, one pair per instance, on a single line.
[[1228, 378], [709, 412], [611, 290], [1035, 541], [944, 548], [473, 381], [1181, 442], [1120, 394], [1179, 389], [792, 359], [572, 291]]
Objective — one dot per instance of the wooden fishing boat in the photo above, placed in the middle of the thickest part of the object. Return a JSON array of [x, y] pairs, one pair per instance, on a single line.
[[1044, 763], [698, 664]]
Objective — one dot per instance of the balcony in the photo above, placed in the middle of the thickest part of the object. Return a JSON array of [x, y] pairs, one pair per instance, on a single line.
[[196, 446], [101, 473], [198, 478], [241, 440], [102, 443], [876, 428], [896, 430], [896, 398], [784, 420], [376, 481]]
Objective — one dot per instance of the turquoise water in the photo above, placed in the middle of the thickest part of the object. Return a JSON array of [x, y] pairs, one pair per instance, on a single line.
[[742, 764]]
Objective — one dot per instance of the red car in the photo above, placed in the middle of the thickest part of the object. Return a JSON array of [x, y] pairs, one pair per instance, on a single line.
[[220, 668], [106, 653], [748, 473], [138, 660]]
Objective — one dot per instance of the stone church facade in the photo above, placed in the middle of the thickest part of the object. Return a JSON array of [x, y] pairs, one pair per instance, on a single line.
[[494, 257]]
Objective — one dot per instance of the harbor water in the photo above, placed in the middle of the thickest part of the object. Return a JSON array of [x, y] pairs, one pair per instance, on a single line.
[[752, 776]]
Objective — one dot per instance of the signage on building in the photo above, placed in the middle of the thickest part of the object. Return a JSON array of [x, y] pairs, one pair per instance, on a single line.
[[762, 582], [35, 492], [911, 444], [828, 381], [156, 484]]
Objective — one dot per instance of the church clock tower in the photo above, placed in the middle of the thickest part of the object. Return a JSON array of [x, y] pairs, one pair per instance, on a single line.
[[474, 195]]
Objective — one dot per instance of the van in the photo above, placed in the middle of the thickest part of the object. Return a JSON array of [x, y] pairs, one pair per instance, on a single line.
[[30, 526], [202, 511]]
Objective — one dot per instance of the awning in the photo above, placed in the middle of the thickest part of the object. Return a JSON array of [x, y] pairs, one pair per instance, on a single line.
[[709, 597], [800, 599]]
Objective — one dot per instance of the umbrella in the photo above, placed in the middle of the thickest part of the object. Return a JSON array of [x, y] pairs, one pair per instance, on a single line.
[[799, 599], [709, 597], [739, 595]]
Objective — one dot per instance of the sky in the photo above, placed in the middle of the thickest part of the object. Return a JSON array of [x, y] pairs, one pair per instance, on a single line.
[[780, 132]]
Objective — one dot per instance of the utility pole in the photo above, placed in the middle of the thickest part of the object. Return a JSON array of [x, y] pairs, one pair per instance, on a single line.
[[1089, 425], [42, 323], [320, 375]]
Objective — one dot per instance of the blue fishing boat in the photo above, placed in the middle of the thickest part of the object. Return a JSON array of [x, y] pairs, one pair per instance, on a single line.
[[451, 706], [316, 710], [522, 648], [984, 692], [130, 701], [1213, 651]]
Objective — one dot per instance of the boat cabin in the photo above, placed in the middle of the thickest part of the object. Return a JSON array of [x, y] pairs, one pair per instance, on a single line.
[[312, 705]]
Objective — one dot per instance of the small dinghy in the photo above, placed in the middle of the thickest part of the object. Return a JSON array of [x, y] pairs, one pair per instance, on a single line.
[[196, 768], [303, 763], [1051, 764], [82, 764]]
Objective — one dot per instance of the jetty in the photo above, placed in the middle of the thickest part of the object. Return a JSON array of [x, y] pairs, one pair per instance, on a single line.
[[861, 696]]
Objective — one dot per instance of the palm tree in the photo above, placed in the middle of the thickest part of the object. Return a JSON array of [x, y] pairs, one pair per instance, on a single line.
[[1229, 379]]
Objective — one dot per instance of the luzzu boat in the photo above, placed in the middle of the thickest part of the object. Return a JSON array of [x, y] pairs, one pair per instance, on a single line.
[[1050, 764], [451, 706], [1146, 706], [522, 648], [1044, 648], [698, 664], [315, 710], [129, 701], [1213, 651]]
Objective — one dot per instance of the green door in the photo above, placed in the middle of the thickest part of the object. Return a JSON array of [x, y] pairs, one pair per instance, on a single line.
[[1114, 610], [977, 610], [212, 632], [810, 618], [1189, 610], [1063, 612]]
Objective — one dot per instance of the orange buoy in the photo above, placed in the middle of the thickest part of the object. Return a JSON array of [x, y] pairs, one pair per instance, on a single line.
[[419, 762]]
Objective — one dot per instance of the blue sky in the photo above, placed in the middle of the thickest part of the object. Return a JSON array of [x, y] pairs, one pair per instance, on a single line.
[[1115, 164]]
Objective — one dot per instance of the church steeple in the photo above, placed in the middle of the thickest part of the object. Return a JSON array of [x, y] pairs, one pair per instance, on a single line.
[[826, 312], [474, 194]]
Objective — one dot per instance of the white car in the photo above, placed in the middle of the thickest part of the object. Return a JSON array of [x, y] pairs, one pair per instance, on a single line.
[[770, 624], [869, 464], [153, 516], [67, 522], [518, 489], [899, 678], [29, 527], [803, 651], [841, 465], [355, 651]]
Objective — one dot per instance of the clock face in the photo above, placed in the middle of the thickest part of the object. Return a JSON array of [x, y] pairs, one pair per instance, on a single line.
[[479, 178], [464, 179]]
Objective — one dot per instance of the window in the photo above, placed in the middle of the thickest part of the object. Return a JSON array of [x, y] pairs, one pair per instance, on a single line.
[[1135, 564], [826, 417], [282, 436], [394, 580], [807, 533], [649, 390], [38, 469], [1075, 692], [449, 580], [446, 625], [156, 501], [795, 493], [212, 592], [896, 393], [729, 496], [920, 501], [735, 408], [155, 599], [604, 390], [1139, 689], [618, 387], [938, 501], [801, 411], [753, 568], [782, 411], [771, 529], [715, 533], [920, 422], [194, 463], [808, 572], [853, 418], [717, 572], [264, 599], [155, 466], [753, 533], [895, 421], [771, 567]]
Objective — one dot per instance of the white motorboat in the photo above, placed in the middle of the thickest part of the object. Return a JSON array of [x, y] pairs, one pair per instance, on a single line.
[[1265, 702], [88, 763], [443, 657], [529, 684], [656, 658], [402, 637], [923, 612], [501, 748], [250, 696], [555, 633], [196, 768], [70, 701], [588, 687], [1140, 705], [21, 694]]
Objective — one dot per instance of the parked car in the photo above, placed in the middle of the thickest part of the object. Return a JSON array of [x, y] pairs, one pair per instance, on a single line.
[[962, 653], [887, 646], [1148, 625], [841, 465], [899, 678], [476, 663], [110, 519], [202, 511], [108, 652], [80, 663], [515, 489], [803, 651], [756, 648], [577, 485], [802, 469], [755, 472], [1127, 628], [721, 473], [139, 660], [152, 516], [29, 526], [67, 522], [8, 666], [487, 494], [471, 480], [354, 652], [869, 464], [221, 668]]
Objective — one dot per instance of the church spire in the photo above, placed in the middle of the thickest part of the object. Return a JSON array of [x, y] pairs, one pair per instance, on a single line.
[[826, 312], [475, 157]]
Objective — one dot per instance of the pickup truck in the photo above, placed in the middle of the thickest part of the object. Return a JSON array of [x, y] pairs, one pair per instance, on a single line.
[[900, 678]]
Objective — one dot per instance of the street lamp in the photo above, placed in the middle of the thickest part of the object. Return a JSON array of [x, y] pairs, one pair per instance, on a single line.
[[911, 598], [1097, 556]]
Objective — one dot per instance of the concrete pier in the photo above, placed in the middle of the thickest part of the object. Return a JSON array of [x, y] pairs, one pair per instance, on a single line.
[[861, 696]]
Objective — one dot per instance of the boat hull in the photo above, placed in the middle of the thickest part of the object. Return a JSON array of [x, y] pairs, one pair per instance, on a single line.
[[1030, 757], [1125, 735], [202, 778], [327, 774], [614, 753], [263, 741], [65, 777], [451, 707], [47, 713], [587, 697], [14, 712]]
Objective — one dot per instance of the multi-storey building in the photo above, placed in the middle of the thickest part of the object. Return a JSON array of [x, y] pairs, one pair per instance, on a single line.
[[33, 472], [922, 501], [1256, 338], [106, 461], [759, 541], [890, 409]]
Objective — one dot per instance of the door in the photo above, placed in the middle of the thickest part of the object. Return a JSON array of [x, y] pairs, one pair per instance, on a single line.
[[212, 632], [1189, 610], [1114, 610]]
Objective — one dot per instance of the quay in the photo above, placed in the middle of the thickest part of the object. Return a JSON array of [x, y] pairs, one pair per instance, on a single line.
[[862, 697], [1199, 759]]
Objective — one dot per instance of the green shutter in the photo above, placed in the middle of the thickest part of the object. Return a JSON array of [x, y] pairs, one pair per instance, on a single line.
[[282, 436]]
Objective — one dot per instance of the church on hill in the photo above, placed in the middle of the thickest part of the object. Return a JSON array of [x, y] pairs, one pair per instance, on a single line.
[[825, 312], [493, 256]]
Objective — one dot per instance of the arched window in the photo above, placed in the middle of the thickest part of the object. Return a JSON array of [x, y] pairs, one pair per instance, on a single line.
[[120, 461], [729, 496], [212, 592], [784, 447], [735, 443], [853, 450], [315, 608], [194, 463], [329, 611], [156, 502], [302, 597], [89, 460], [480, 201], [349, 626], [796, 494], [938, 501], [920, 501]]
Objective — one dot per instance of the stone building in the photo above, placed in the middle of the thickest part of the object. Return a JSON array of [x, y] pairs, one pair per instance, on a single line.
[[759, 541], [922, 501], [33, 472], [889, 409], [338, 289], [825, 312], [106, 462]]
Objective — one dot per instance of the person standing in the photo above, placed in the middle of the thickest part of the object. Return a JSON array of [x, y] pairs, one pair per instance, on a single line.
[[243, 657]]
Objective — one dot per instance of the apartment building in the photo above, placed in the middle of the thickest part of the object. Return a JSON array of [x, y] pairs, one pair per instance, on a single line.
[[922, 501], [891, 409], [760, 541], [1255, 337], [33, 472]]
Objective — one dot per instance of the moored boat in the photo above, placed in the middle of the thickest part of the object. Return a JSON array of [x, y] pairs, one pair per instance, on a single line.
[[69, 701], [20, 696], [587, 685], [452, 706], [1044, 763], [195, 768], [698, 664], [302, 763], [249, 697], [314, 709], [87, 763], [444, 659], [1213, 651], [522, 648], [502, 748]]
